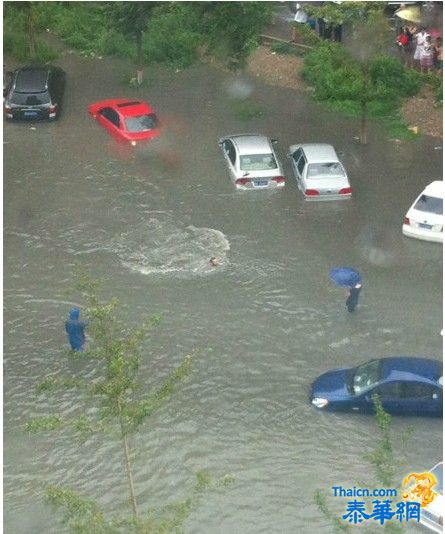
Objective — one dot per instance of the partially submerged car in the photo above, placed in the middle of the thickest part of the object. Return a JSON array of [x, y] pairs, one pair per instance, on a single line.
[[127, 120], [252, 162], [424, 219], [405, 385], [431, 515], [318, 171], [34, 93]]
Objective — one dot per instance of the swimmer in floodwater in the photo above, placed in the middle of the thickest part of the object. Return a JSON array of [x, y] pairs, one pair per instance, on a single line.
[[213, 261]]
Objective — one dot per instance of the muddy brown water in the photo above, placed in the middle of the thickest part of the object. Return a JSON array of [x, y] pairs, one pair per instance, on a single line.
[[265, 322]]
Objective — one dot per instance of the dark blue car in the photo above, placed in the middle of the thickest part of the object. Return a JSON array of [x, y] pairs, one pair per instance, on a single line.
[[404, 384]]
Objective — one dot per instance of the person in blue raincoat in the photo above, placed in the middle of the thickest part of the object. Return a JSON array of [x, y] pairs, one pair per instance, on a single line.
[[75, 328], [352, 300]]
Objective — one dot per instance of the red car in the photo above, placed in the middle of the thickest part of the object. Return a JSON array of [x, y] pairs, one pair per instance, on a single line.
[[127, 120]]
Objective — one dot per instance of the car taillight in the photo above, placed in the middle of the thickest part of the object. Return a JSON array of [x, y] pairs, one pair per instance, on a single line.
[[278, 179], [8, 109], [53, 109], [345, 191], [311, 192], [406, 221], [243, 181]]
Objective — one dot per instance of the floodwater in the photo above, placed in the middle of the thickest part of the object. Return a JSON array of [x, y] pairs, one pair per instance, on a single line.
[[264, 323]]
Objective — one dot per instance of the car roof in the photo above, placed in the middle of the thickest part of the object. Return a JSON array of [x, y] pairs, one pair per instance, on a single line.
[[31, 79], [252, 144], [408, 368], [435, 189], [125, 106], [319, 153]]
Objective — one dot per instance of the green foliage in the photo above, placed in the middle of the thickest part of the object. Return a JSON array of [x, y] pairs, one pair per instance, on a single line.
[[51, 422], [173, 35], [15, 40], [203, 480], [286, 48], [339, 81], [232, 28], [337, 524], [306, 34], [344, 12], [82, 516]]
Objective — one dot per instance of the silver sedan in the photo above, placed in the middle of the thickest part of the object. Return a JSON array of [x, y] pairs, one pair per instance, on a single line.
[[319, 173], [252, 161]]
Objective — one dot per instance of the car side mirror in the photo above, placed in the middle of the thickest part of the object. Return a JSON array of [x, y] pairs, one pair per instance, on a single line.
[[274, 141]]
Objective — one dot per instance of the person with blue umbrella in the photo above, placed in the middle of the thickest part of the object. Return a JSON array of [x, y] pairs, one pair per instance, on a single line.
[[351, 279]]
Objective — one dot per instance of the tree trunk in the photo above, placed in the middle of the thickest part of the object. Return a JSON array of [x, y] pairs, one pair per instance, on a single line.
[[127, 463], [31, 33], [139, 59], [364, 106]]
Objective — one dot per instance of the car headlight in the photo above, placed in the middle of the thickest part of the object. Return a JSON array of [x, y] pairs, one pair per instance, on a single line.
[[319, 402]]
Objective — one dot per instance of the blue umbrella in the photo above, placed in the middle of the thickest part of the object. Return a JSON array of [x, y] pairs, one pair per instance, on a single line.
[[345, 276]]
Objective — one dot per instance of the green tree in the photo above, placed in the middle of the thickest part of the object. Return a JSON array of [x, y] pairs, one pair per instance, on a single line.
[[370, 37], [131, 19], [123, 405], [233, 28]]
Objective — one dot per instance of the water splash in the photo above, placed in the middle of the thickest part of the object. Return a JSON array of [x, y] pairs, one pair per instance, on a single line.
[[159, 247]]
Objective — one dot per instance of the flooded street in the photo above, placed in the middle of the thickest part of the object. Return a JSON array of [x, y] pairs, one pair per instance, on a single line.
[[264, 323]]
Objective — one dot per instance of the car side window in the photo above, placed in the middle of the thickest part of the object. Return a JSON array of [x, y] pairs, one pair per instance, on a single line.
[[230, 151], [301, 164], [417, 390], [297, 154], [391, 390], [111, 115]]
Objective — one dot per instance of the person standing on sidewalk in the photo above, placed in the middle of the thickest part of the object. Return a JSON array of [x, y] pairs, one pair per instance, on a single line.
[[420, 41]]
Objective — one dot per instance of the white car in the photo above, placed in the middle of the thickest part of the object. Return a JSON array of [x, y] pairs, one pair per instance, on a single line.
[[432, 514], [252, 161], [424, 219], [318, 171]]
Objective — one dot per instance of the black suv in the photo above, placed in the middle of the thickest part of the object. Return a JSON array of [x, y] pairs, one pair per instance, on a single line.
[[34, 93]]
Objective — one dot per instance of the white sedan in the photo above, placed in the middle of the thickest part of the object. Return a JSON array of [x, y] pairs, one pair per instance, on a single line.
[[432, 514], [252, 161], [318, 171], [424, 219]]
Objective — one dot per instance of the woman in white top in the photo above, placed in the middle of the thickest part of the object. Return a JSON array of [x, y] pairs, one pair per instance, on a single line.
[[420, 41]]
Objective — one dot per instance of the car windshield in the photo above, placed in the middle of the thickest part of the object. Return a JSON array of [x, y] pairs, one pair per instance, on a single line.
[[30, 99], [365, 377], [141, 123], [258, 162], [324, 169], [430, 204]]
